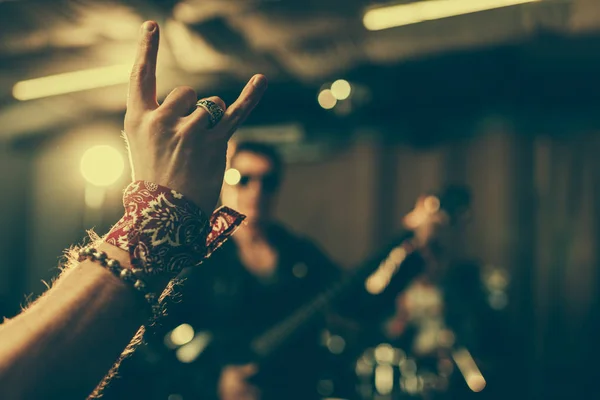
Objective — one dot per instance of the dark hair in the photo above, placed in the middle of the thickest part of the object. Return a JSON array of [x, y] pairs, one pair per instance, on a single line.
[[455, 199], [265, 150]]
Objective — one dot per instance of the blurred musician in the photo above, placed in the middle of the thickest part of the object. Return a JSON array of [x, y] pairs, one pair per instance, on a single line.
[[422, 303], [444, 308], [260, 278]]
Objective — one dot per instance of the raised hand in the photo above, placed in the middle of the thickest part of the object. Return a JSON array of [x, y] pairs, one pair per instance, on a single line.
[[177, 144]]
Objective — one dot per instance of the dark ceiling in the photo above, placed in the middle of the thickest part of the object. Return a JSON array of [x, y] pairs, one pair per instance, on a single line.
[[528, 58]]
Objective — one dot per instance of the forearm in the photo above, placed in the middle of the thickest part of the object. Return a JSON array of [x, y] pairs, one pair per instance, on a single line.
[[372, 302], [66, 342]]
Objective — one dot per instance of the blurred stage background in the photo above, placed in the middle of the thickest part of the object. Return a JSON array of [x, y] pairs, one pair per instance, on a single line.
[[505, 100]]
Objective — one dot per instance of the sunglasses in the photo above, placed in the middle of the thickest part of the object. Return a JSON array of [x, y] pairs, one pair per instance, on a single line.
[[269, 182]]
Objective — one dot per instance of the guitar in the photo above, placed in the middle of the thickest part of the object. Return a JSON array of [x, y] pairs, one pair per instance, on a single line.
[[378, 281]]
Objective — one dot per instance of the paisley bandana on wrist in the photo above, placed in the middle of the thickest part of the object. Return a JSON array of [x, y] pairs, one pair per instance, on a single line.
[[163, 232]]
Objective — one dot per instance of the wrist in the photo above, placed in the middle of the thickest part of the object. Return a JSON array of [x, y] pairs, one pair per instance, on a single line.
[[156, 284], [163, 232]]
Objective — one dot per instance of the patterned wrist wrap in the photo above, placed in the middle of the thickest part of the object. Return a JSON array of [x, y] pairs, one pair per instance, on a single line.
[[164, 233]]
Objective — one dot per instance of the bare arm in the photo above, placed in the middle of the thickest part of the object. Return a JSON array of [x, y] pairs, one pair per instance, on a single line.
[[67, 341]]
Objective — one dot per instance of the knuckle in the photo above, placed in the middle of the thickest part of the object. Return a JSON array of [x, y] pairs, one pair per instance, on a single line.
[[236, 113], [187, 135], [218, 101], [160, 114], [199, 119], [186, 92], [156, 118]]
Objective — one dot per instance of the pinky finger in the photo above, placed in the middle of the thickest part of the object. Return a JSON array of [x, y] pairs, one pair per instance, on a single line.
[[237, 113]]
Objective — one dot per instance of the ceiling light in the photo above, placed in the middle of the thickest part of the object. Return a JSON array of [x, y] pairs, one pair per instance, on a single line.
[[71, 82], [405, 14]]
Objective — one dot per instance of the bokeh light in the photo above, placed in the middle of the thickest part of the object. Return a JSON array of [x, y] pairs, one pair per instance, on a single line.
[[341, 89], [183, 334], [476, 382], [431, 204], [102, 165], [384, 353], [232, 176], [326, 99], [336, 344]]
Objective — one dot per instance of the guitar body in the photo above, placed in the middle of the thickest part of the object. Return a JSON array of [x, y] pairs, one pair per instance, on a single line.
[[291, 372]]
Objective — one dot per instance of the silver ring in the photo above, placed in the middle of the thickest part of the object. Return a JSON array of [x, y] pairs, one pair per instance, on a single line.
[[214, 111]]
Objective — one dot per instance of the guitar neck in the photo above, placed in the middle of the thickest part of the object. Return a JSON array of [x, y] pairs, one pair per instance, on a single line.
[[270, 341]]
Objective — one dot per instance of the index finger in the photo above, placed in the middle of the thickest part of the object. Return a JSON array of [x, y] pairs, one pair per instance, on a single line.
[[237, 113], [142, 83]]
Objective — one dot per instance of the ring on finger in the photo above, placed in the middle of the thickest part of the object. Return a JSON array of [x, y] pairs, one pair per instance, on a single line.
[[214, 111]]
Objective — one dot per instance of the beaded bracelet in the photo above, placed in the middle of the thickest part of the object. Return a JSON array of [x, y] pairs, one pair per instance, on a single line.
[[127, 275]]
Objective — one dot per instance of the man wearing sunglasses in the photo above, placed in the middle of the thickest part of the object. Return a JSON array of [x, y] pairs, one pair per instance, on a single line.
[[259, 170], [267, 272]]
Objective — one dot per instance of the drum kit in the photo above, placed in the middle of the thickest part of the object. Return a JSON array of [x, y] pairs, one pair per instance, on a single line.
[[385, 372], [389, 373]]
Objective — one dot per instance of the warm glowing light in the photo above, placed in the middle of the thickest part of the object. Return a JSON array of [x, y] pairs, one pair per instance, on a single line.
[[384, 379], [94, 196], [183, 334], [102, 165], [71, 82], [384, 354], [190, 351], [376, 284], [476, 382], [431, 204], [327, 100], [468, 368], [363, 367], [232, 177], [380, 279], [341, 89], [336, 344], [405, 14], [410, 384], [409, 367], [497, 279]]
